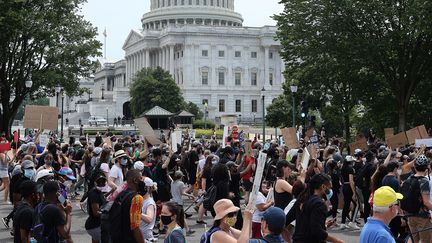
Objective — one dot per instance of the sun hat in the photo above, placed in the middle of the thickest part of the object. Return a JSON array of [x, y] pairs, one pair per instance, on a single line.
[[223, 207], [120, 153], [139, 165], [385, 196], [275, 218], [66, 171], [24, 147], [43, 173]]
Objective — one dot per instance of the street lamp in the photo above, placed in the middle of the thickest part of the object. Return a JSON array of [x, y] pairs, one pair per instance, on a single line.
[[62, 110], [205, 115], [57, 90], [102, 89], [28, 84], [293, 90], [263, 112]]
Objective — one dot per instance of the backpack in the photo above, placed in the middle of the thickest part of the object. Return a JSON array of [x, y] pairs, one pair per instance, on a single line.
[[205, 238], [210, 198], [410, 190], [38, 226], [111, 215], [94, 173]]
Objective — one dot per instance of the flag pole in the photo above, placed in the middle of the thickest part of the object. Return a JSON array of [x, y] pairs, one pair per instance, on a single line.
[[105, 36]]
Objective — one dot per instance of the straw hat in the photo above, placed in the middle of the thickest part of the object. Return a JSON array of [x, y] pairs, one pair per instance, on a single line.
[[224, 207]]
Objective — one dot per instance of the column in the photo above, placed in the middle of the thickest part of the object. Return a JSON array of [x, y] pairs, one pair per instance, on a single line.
[[171, 58], [166, 56], [266, 66], [159, 53], [147, 58], [163, 57]]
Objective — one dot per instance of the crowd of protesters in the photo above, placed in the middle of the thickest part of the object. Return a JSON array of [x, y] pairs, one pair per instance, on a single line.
[[134, 191]]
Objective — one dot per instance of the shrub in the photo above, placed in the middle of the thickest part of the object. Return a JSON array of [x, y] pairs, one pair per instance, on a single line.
[[199, 124]]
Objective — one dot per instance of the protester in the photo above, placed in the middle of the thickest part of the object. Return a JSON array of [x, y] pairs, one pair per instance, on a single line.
[[96, 199], [23, 217], [272, 224], [348, 190], [172, 215], [148, 215], [261, 205], [4, 176], [385, 208], [282, 189]]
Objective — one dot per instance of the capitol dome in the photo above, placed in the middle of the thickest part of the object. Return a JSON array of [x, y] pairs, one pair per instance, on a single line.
[[190, 12]]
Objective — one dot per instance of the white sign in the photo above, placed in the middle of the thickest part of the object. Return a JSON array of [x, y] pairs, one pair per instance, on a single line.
[[225, 135], [43, 140], [258, 176], [305, 159], [176, 138], [426, 142]]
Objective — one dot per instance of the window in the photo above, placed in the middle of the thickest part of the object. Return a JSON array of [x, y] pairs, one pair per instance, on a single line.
[[211, 2], [218, 3], [254, 54], [204, 53], [254, 106], [237, 54], [221, 78], [221, 105], [254, 78], [205, 101], [271, 55], [237, 78], [204, 78], [190, 2], [182, 2], [197, 2], [175, 2], [169, 3], [178, 55], [221, 53], [205, 2], [238, 106], [271, 78]]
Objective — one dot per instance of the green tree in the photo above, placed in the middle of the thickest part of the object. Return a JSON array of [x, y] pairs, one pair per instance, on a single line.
[[194, 109], [279, 113], [47, 42], [43, 101], [155, 87]]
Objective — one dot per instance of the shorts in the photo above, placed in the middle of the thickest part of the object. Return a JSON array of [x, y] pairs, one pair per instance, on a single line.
[[247, 185], [95, 233], [4, 174]]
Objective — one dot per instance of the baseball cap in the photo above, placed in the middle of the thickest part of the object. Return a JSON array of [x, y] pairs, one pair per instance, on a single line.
[[77, 143], [27, 164], [139, 165], [349, 158], [178, 173], [275, 218], [66, 171], [43, 173], [97, 150], [24, 148], [148, 182], [385, 196]]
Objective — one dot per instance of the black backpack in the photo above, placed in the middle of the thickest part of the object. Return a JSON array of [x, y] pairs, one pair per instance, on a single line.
[[38, 226], [412, 201], [111, 216], [94, 173], [210, 198]]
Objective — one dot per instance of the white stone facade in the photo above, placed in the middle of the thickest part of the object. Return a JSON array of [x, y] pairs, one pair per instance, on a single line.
[[210, 55]]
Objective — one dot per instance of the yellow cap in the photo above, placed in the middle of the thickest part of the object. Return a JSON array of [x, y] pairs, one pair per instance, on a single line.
[[385, 196]]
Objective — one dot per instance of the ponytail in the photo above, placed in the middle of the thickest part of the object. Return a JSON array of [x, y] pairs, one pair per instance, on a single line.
[[178, 211]]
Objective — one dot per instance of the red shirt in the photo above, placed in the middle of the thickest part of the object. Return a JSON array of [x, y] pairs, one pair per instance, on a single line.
[[248, 160]]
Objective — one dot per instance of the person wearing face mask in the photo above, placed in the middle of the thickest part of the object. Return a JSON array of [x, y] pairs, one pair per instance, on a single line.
[[385, 208], [261, 206], [172, 215], [364, 181], [96, 199], [223, 230], [48, 163], [348, 190], [310, 212], [272, 224], [148, 211], [23, 218], [116, 172]]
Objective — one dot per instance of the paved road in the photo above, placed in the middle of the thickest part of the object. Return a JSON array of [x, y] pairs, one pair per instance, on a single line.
[[80, 235]]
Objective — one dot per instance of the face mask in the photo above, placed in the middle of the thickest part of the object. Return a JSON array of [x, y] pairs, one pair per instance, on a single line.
[[166, 220], [329, 194], [29, 173], [399, 171], [49, 163], [142, 189], [124, 162], [100, 188], [231, 221]]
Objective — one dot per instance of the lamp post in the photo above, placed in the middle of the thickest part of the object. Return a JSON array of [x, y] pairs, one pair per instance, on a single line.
[[293, 90], [263, 113], [62, 109], [107, 117], [103, 89], [205, 115], [57, 90]]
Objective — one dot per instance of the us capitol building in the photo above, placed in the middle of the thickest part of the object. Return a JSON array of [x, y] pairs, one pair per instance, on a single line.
[[212, 57]]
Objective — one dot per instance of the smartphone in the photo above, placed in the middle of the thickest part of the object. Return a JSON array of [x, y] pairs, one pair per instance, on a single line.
[[61, 199]]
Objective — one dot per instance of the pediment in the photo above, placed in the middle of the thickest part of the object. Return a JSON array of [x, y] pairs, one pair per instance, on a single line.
[[133, 37]]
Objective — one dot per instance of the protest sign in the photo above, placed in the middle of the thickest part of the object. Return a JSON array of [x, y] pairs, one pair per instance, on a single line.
[[41, 117], [412, 135], [225, 136], [312, 151], [426, 142], [388, 133], [43, 140], [248, 147], [310, 132], [305, 159], [176, 138], [397, 140], [290, 137], [5, 147], [360, 144], [108, 141], [423, 131], [147, 131], [258, 176]]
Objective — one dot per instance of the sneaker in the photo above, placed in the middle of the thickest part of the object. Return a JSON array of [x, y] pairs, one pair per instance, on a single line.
[[342, 227], [353, 226], [200, 222], [5, 221], [190, 232]]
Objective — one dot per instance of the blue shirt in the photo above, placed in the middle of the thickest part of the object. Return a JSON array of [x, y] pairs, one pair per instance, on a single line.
[[375, 231]]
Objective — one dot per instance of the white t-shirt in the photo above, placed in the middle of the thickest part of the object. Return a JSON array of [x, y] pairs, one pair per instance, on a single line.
[[257, 215], [201, 164], [117, 173], [147, 229], [288, 208], [177, 188]]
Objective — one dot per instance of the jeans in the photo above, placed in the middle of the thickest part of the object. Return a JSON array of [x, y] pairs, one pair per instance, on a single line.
[[348, 194]]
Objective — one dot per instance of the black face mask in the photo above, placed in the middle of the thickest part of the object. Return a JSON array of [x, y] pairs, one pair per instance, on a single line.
[[166, 220], [142, 189]]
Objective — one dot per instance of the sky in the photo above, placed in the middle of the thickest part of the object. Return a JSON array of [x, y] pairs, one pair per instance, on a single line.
[[121, 16]]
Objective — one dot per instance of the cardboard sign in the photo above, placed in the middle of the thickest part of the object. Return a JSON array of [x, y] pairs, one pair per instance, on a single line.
[[388, 133], [397, 140], [147, 131], [290, 137], [248, 147], [108, 142], [41, 117], [312, 151], [423, 132], [5, 147], [412, 135], [305, 159], [360, 144], [426, 142], [258, 176], [310, 132]]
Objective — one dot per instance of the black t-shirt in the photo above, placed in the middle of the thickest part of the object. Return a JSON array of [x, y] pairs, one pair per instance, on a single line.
[[23, 219], [94, 196], [208, 176], [346, 171], [235, 184], [51, 217], [17, 185]]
